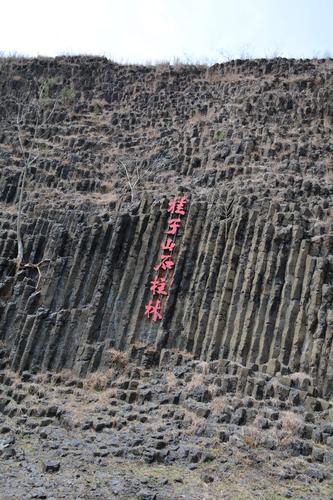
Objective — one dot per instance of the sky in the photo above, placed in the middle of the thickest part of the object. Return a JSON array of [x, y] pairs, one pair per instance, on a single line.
[[152, 31]]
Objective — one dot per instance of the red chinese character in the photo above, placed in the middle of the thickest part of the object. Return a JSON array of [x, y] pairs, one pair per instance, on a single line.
[[158, 286], [177, 206], [172, 206], [166, 263], [174, 225], [153, 310], [168, 245]]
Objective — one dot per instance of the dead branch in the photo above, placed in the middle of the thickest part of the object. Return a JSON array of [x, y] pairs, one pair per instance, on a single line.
[[227, 213], [26, 113], [37, 267], [136, 173]]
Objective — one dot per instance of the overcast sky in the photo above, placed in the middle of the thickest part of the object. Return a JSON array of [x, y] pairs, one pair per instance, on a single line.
[[158, 30]]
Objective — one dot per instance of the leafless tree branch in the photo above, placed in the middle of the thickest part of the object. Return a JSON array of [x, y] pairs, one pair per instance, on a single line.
[[136, 173], [26, 113]]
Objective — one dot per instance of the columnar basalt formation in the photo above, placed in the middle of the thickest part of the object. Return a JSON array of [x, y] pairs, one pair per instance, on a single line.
[[248, 142]]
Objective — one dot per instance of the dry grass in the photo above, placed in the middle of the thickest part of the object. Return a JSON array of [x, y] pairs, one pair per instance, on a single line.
[[67, 373], [99, 380], [219, 404], [119, 359], [199, 117], [194, 422], [291, 426], [213, 389], [196, 380], [12, 374], [139, 345], [202, 367], [77, 410], [84, 402], [171, 380], [291, 422], [252, 436], [105, 395], [105, 198]]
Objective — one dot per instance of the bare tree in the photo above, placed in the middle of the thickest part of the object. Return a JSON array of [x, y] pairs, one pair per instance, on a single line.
[[25, 114], [227, 212], [227, 201], [136, 173]]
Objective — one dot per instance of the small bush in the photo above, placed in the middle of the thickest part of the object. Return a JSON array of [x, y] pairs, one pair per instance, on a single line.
[[219, 136], [97, 108], [50, 86], [291, 422], [67, 94]]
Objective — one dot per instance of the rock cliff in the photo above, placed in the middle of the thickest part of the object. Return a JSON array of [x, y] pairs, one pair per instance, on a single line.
[[248, 142]]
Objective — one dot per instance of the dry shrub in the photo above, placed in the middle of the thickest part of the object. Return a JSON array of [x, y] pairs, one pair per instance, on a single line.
[[139, 345], [203, 367], [252, 436], [107, 394], [196, 380], [194, 422], [219, 404], [213, 388], [291, 422], [67, 374], [98, 381], [119, 358], [171, 380]]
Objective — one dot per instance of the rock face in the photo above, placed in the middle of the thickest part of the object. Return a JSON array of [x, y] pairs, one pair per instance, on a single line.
[[248, 142]]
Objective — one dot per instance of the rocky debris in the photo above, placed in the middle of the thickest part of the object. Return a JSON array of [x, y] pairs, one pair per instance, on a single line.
[[97, 430], [51, 466]]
